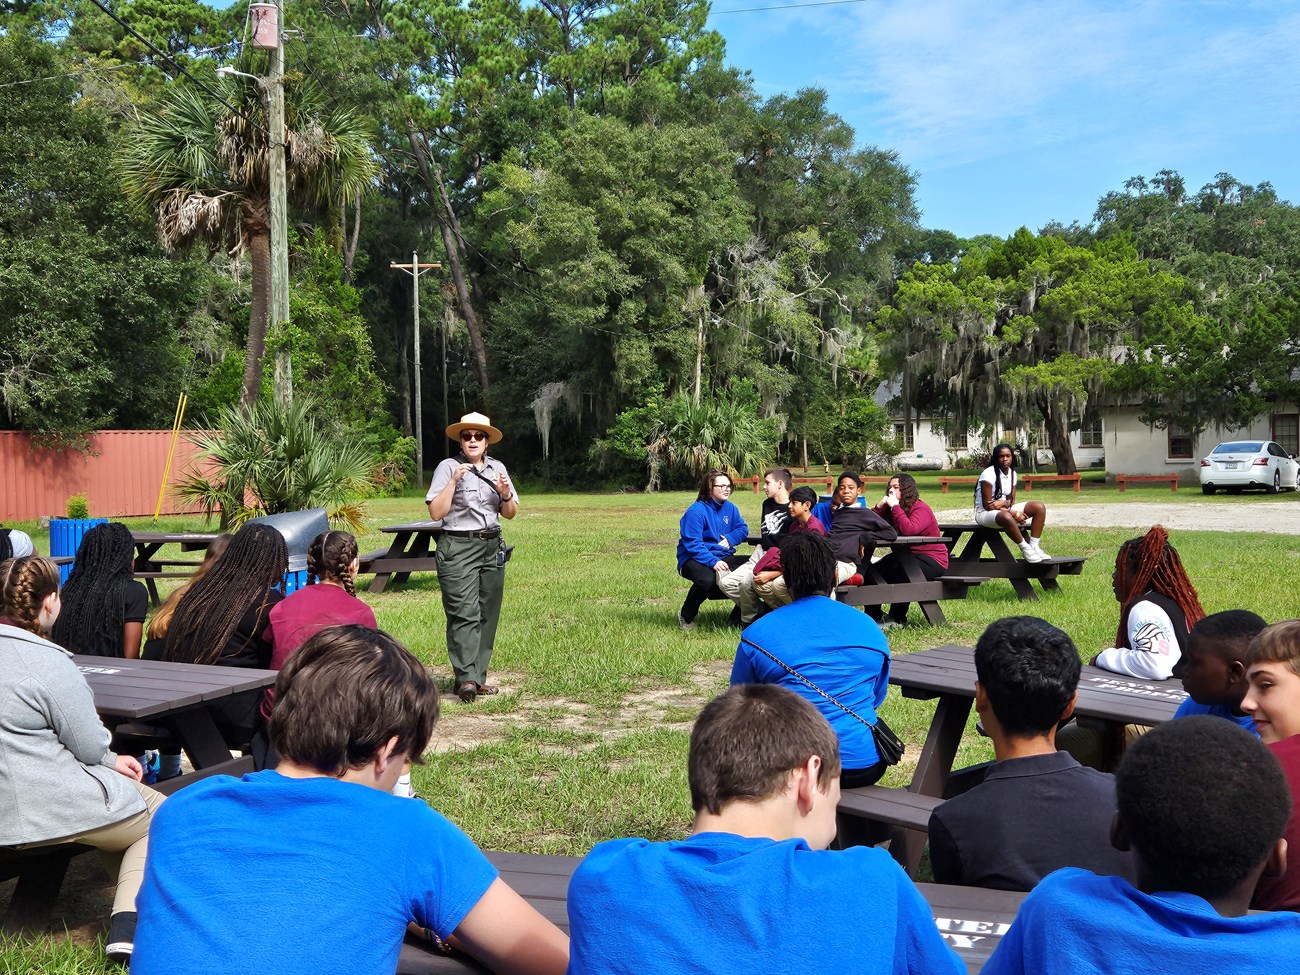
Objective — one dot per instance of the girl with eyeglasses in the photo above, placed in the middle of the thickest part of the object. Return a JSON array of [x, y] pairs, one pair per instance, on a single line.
[[711, 529]]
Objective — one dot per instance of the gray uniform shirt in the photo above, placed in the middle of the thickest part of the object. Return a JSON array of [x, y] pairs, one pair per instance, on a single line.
[[475, 505], [56, 770]]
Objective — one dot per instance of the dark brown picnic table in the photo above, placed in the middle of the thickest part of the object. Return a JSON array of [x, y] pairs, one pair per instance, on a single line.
[[948, 674], [971, 920], [1001, 563], [176, 697], [926, 593], [411, 550], [148, 568]]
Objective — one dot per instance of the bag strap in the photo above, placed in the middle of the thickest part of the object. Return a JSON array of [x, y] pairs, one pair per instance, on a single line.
[[794, 673]]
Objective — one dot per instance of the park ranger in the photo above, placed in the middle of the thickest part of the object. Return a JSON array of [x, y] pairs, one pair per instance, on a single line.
[[469, 493]]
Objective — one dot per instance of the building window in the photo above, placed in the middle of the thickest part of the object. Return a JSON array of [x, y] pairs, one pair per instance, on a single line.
[[903, 432], [958, 439], [1286, 431], [1090, 433], [1180, 441]]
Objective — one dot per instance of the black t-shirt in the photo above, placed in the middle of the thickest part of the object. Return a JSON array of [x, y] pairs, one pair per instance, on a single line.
[[135, 607], [775, 522]]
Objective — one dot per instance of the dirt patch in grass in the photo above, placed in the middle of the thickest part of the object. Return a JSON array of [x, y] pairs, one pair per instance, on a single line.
[[463, 728]]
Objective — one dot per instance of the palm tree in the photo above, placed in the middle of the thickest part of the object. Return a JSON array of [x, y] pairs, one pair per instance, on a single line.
[[204, 170]]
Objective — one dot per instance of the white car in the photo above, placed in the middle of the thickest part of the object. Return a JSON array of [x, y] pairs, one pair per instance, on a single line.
[[1239, 464]]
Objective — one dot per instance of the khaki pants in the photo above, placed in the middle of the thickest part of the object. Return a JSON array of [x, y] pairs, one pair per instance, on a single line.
[[122, 846]]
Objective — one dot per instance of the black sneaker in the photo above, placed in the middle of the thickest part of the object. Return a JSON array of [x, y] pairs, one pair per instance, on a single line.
[[121, 937]]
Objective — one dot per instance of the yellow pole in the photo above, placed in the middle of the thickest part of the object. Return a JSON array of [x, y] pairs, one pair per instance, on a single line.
[[181, 403]]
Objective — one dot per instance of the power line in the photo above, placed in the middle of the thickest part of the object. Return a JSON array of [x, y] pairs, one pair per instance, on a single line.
[[178, 66], [95, 69]]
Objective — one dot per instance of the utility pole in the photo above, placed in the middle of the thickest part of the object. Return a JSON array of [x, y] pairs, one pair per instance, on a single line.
[[415, 269], [283, 382]]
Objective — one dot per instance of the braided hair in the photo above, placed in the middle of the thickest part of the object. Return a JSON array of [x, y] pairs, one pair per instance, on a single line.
[[162, 618], [997, 471], [1147, 563], [94, 597], [329, 558], [242, 579], [25, 583]]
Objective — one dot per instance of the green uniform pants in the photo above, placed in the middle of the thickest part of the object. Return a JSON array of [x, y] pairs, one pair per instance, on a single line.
[[472, 584]]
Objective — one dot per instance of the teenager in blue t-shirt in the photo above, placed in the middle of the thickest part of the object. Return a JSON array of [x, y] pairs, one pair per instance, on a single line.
[[1213, 668], [315, 867], [833, 646], [1202, 806], [753, 889]]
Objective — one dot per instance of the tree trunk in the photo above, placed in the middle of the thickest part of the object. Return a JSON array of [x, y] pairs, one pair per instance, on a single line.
[[453, 244], [259, 315], [1058, 438], [349, 240]]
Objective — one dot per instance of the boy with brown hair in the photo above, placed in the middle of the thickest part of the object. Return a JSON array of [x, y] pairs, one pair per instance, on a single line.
[[1273, 701], [753, 888], [314, 866]]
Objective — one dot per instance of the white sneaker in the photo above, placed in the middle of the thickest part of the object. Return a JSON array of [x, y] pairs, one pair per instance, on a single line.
[[887, 625], [1030, 553], [403, 789], [682, 623], [1037, 546]]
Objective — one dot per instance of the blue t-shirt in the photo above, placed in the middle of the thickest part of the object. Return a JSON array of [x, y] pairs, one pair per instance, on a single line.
[[838, 648], [1076, 923], [718, 902], [1190, 707], [274, 874]]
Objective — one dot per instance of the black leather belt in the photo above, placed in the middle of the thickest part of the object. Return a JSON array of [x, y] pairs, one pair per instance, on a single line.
[[481, 533]]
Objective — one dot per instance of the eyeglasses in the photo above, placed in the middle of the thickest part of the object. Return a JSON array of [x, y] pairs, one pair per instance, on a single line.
[[724, 486], [470, 435]]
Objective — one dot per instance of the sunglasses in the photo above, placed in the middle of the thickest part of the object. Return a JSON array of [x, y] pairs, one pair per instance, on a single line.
[[465, 437]]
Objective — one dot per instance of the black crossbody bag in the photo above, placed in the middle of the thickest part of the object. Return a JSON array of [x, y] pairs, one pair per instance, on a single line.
[[888, 745]]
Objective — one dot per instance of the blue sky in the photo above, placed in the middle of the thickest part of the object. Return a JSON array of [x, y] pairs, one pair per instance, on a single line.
[[1016, 113]]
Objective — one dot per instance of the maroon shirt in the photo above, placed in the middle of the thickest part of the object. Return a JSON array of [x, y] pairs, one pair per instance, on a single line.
[[770, 560], [304, 613], [920, 522], [1283, 893]]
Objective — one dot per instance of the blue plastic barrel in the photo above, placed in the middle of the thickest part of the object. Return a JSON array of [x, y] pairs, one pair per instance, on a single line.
[[65, 537]]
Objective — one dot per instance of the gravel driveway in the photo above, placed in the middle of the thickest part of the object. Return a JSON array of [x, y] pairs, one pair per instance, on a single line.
[[1278, 517]]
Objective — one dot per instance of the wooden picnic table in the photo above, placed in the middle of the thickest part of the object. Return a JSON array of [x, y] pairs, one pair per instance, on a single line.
[[926, 593], [176, 697], [411, 550], [148, 567], [948, 674], [971, 920], [1001, 563]]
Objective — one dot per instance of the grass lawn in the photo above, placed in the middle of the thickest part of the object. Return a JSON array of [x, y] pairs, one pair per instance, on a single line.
[[599, 687]]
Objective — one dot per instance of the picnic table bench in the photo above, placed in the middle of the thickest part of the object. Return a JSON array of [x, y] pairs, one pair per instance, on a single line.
[[1122, 481], [970, 919], [1001, 563], [948, 674], [411, 550]]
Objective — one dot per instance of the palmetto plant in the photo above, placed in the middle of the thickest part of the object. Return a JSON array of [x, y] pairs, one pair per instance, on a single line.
[[205, 171], [276, 458], [719, 433]]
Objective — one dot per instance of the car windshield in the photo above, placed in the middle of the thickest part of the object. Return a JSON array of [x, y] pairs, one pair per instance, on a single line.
[[1239, 447]]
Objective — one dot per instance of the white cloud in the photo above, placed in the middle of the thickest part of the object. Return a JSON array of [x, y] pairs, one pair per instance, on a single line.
[[948, 82]]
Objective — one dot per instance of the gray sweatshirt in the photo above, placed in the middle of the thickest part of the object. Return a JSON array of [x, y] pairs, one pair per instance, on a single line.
[[56, 771]]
